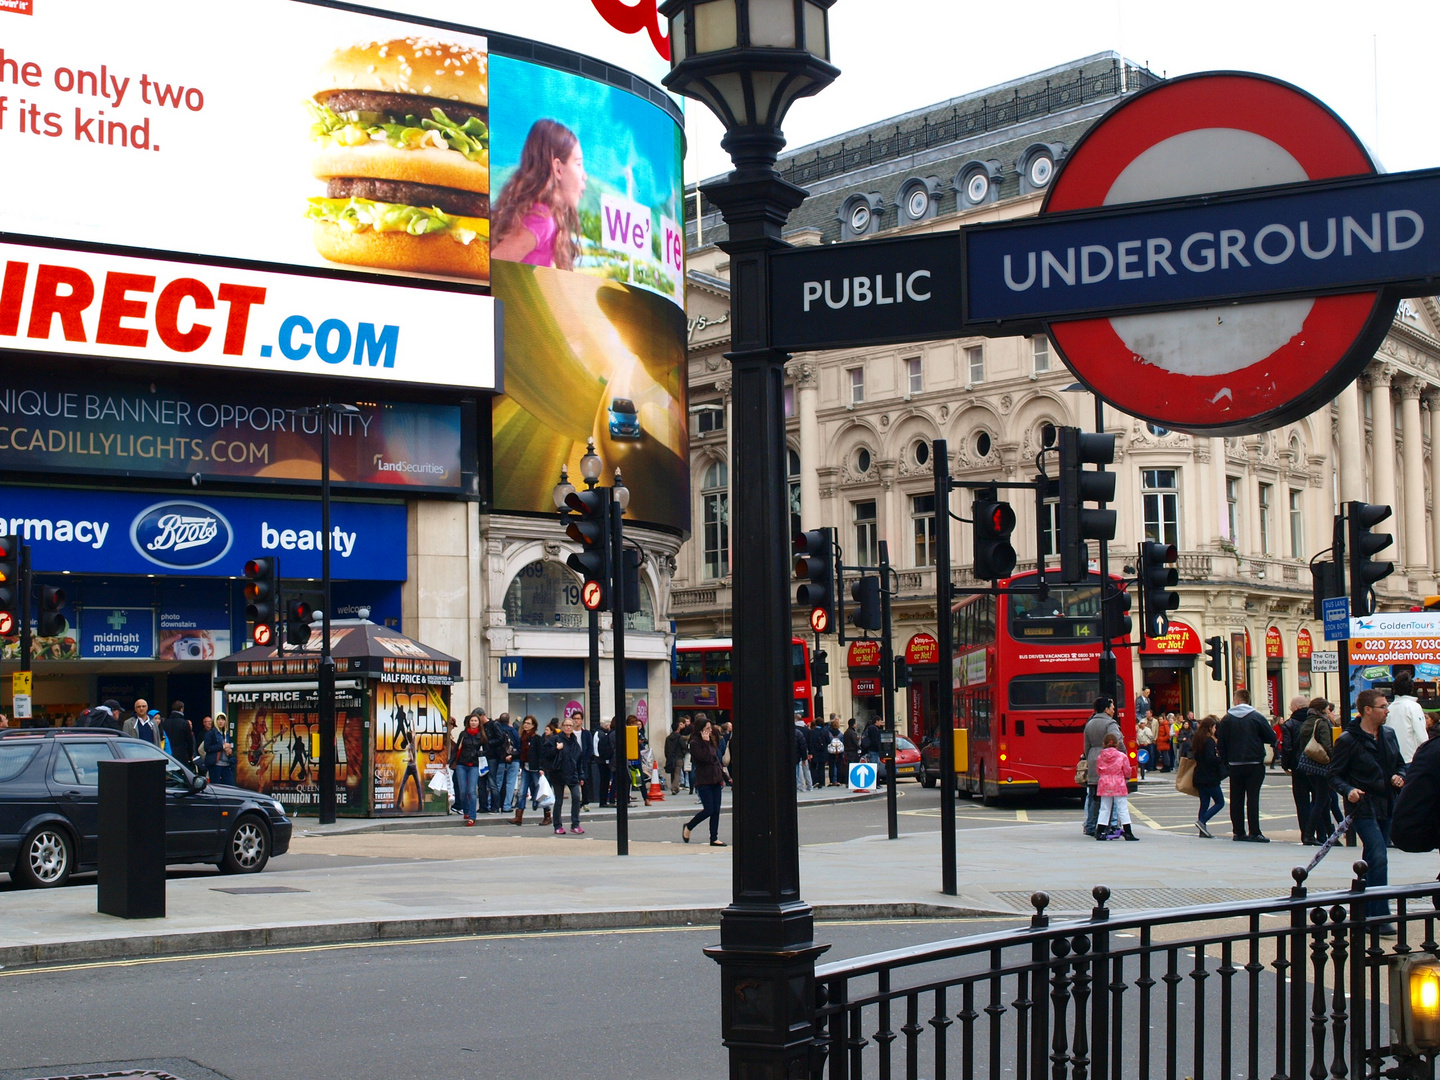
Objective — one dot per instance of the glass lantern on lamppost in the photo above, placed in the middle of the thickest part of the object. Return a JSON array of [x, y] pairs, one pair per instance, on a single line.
[[748, 61]]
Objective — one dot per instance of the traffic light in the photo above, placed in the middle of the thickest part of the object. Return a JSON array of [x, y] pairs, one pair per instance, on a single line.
[[262, 588], [1157, 577], [590, 528], [1362, 543], [815, 566], [630, 581], [993, 523], [50, 622], [1074, 523], [1327, 579], [299, 617], [902, 673], [1115, 619], [866, 594], [1215, 648], [9, 585], [820, 668]]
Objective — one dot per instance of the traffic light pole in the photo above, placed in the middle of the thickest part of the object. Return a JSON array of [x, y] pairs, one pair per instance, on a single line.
[[1108, 675], [819, 691], [327, 662], [887, 688], [25, 583], [614, 515], [1342, 648], [940, 456]]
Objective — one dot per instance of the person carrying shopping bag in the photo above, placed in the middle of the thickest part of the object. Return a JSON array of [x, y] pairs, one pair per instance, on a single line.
[[1114, 769], [465, 759]]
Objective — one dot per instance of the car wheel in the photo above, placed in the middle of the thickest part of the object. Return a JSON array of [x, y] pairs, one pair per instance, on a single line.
[[248, 849], [926, 780], [46, 859]]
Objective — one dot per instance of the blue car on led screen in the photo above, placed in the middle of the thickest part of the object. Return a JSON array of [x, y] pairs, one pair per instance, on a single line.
[[624, 419]]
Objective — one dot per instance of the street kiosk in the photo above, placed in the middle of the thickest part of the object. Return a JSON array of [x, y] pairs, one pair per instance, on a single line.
[[392, 701]]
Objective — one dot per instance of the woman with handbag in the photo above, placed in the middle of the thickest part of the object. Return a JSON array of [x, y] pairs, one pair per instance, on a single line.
[[1316, 740], [709, 780], [465, 761], [1209, 771]]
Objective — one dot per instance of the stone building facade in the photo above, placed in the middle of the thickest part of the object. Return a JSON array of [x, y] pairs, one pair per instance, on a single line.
[[1247, 514]]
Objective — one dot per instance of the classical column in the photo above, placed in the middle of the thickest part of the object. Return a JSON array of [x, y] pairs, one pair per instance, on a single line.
[[1382, 444], [1432, 399], [1412, 460], [807, 397], [1351, 444]]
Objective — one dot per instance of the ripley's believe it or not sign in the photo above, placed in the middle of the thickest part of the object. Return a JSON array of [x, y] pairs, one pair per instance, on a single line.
[[381, 207], [1217, 254]]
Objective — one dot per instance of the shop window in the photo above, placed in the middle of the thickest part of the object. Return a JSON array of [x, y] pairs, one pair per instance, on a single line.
[[545, 594]]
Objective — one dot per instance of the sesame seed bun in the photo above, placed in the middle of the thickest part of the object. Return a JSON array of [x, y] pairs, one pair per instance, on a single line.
[[423, 66], [433, 254], [444, 168]]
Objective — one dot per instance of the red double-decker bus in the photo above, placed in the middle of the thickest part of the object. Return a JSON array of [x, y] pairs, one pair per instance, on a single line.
[[702, 678], [1026, 675]]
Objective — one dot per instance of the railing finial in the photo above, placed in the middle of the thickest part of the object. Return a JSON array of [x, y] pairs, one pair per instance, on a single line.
[[1361, 868], [1100, 912], [1039, 901], [1299, 873]]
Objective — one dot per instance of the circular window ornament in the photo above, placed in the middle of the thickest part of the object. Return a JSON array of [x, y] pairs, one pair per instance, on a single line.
[[977, 187], [918, 203], [1041, 169], [1156, 430], [982, 444], [1237, 368], [922, 452], [860, 218], [862, 460]]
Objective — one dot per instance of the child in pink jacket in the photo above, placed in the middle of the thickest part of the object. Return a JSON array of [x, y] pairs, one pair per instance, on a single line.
[[1114, 768]]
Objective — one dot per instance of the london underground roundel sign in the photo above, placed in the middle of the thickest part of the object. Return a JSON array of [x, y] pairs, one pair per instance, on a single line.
[[1236, 368]]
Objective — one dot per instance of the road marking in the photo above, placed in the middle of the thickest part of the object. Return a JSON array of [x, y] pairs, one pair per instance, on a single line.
[[1022, 815], [530, 935]]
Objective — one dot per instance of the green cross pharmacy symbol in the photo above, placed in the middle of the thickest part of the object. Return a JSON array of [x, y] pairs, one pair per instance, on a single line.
[[117, 619]]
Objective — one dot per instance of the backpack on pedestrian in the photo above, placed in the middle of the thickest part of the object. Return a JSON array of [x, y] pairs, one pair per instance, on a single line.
[[1415, 819]]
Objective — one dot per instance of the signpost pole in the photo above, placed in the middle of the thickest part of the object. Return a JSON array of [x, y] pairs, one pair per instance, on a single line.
[[327, 662], [25, 641], [620, 738], [887, 689], [945, 704], [1109, 682], [1342, 647]]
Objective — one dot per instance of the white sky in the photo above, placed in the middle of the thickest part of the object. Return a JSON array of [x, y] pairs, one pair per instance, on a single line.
[[898, 55]]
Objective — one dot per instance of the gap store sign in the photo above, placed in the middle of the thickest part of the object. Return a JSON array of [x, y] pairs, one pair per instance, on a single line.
[[108, 532]]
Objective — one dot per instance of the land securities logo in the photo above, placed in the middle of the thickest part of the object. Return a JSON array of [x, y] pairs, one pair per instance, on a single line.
[[181, 535]]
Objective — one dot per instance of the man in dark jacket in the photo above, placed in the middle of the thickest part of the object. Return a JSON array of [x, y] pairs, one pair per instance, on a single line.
[[180, 734], [1368, 771], [802, 757], [605, 759], [503, 751], [872, 744], [675, 745], [1289, 752], [819, 736], [1242, 736]]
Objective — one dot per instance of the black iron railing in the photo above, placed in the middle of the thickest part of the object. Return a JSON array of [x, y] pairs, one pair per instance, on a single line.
[[1288, 989]]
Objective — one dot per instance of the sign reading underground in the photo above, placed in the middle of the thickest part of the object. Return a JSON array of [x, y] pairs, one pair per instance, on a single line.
[[1217, 254]]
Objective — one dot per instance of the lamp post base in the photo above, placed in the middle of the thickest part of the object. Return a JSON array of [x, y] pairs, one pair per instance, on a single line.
[[767, 986]]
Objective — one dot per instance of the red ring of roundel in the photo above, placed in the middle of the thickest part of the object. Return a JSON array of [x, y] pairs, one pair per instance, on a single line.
[[1323, 145]]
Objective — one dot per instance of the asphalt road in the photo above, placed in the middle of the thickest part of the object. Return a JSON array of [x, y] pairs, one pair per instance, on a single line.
[[624, 1004]]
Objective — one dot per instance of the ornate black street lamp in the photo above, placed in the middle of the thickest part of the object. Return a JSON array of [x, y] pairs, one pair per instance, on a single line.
[[748, 60]]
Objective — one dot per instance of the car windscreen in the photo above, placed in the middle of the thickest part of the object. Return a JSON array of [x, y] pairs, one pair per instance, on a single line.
[[142, 751], [14, 756], [622, 405]]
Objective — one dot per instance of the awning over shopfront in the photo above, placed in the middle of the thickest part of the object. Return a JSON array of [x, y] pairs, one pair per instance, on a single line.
[[360, 647]]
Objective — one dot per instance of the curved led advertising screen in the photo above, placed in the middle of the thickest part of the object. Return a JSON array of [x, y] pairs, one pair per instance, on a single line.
[[292, 187]]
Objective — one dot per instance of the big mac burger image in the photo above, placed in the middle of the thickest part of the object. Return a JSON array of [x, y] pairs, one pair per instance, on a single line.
[[402, 142]]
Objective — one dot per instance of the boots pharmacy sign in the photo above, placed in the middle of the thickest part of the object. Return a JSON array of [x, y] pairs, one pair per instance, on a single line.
[[1218, 254]]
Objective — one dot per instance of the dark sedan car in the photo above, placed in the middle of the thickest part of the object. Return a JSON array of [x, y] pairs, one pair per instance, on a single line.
[[49, 809]]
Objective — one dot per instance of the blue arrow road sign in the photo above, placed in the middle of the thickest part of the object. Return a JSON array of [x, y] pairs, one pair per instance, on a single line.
[[1335, 610], [1310, 239], [862, 776]]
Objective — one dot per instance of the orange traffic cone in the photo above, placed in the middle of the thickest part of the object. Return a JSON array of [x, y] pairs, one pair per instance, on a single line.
[[657, 789]]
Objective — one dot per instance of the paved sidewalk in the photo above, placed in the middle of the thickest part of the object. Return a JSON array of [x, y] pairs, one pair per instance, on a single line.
[[465, 882]]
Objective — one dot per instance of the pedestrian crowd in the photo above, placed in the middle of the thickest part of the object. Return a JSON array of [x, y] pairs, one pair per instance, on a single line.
[[1346, 784]]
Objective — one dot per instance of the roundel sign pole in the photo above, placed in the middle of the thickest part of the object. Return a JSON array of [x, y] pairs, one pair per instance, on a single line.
[[1239, 366]]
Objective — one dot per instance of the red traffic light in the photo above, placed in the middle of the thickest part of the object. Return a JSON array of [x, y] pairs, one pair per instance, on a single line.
[[264, 634], [592, 595], [819, 620]]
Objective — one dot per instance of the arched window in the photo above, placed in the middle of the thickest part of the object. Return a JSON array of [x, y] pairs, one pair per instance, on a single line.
[[644, 619], [792, 479], [715, 517], [545, 594]]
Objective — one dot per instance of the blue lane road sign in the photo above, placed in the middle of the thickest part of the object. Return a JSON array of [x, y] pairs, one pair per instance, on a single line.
[[1335, 610], [862, 777]]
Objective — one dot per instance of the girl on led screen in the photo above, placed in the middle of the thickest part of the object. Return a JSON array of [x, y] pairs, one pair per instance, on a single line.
[[536, 218]]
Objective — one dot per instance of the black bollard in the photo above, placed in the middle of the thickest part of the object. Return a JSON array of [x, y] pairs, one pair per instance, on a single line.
[[132, 839]]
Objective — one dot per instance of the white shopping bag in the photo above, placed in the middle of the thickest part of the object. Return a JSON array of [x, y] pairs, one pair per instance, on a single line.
[[545, 796]]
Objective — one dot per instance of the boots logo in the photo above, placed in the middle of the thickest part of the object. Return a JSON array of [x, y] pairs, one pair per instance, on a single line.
[[181, 535]]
